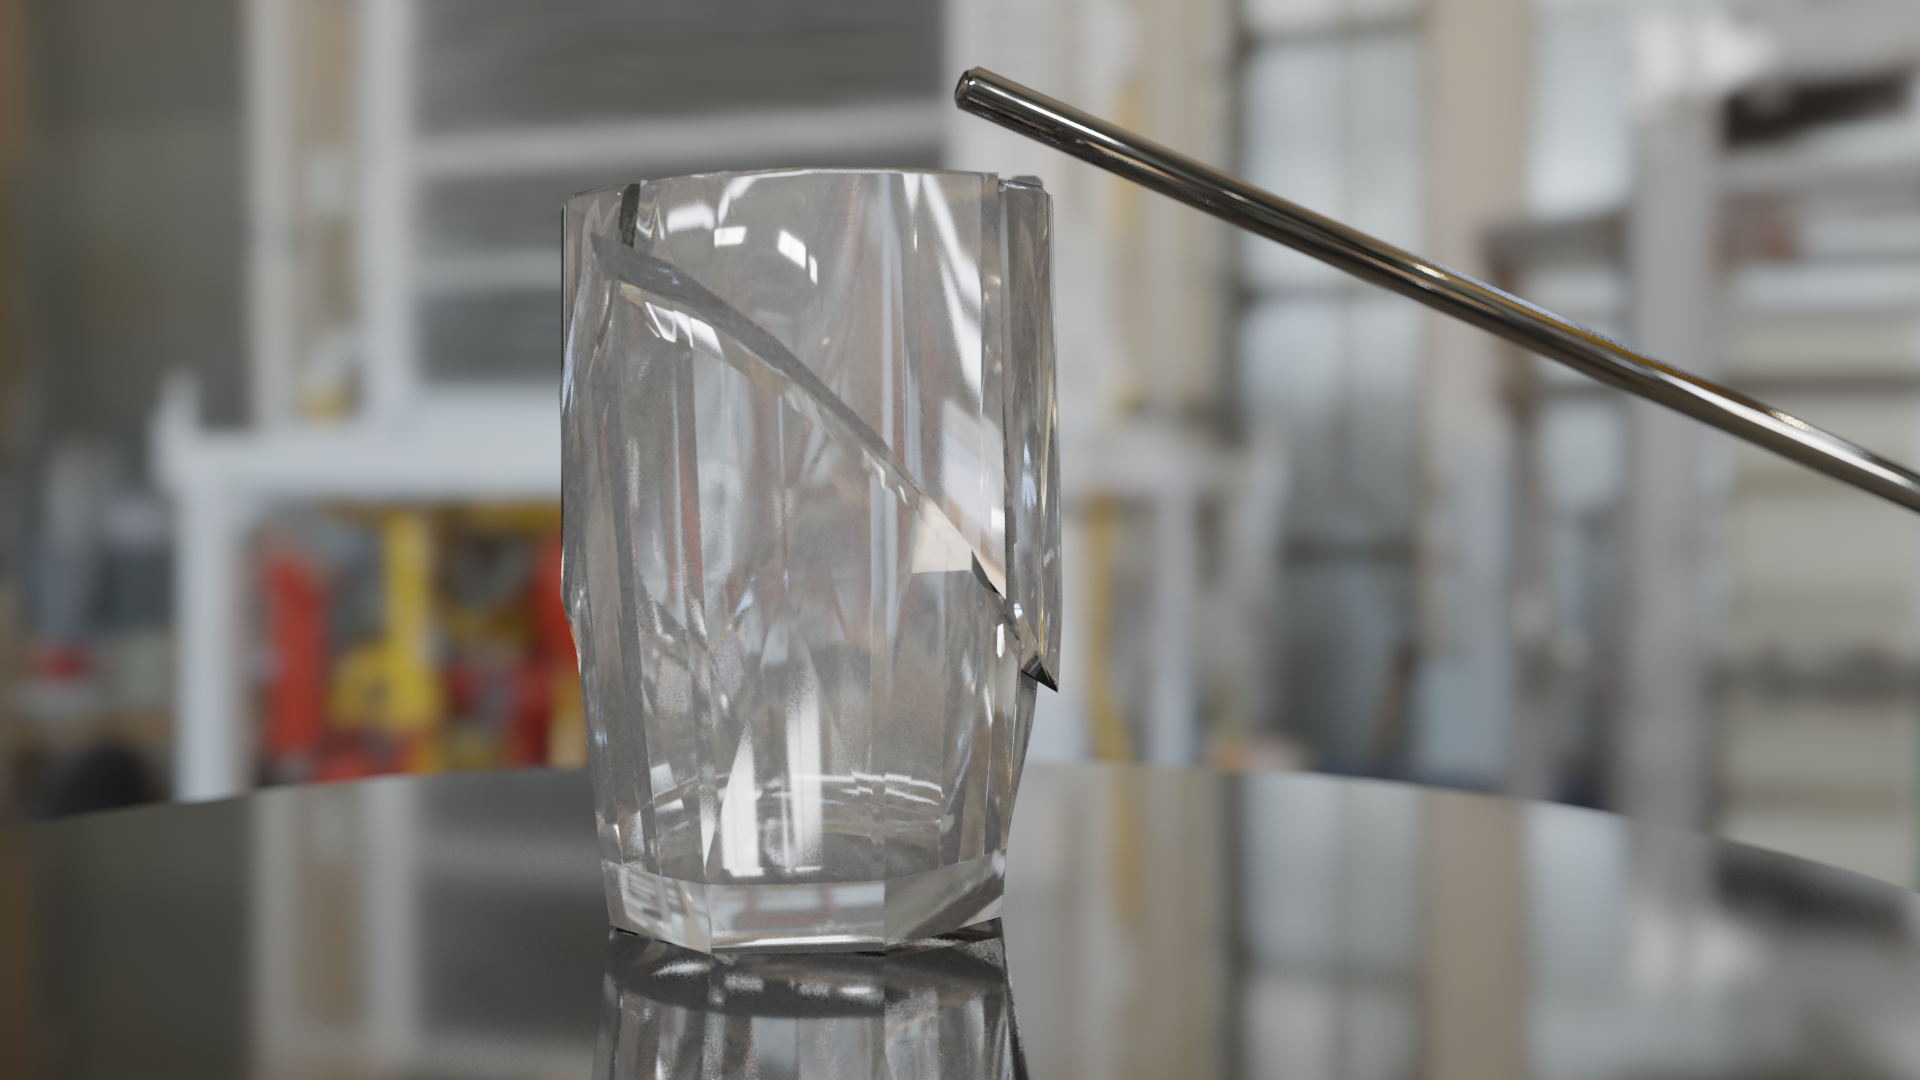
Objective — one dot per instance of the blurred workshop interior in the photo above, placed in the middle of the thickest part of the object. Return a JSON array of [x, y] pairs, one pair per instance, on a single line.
[[280, 340]]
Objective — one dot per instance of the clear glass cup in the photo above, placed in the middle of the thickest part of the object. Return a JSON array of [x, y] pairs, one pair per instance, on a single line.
[[811, 545]]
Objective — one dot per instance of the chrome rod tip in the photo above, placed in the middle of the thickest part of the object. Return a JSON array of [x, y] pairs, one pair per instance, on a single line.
[[969, 88]]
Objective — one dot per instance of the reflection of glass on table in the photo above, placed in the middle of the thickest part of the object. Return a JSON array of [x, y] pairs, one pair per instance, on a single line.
[[930, 1012], [811, 545]]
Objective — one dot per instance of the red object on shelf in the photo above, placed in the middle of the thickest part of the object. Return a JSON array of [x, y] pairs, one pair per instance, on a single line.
[[525, 740], [347, 756], [553, 638], [297, 632], [59, 661], [527, 733]]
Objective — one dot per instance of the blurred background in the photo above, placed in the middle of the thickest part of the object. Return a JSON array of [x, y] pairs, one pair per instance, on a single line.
[[279, 350]]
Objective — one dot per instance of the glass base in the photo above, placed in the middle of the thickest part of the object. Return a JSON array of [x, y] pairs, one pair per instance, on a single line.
[[839, 916]]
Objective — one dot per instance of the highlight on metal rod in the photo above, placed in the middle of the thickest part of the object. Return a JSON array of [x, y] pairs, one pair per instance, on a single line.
[[1117, 150]]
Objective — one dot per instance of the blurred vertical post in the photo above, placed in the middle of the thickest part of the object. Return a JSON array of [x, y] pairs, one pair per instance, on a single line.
[[1478, 53], [271, 183], [1662, 753], [1478, 79], [213, 748], [383, 240], [13, 59], [9, 677]]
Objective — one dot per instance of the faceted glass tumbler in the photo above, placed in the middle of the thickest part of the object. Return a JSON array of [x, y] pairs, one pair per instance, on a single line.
[[811, 545]]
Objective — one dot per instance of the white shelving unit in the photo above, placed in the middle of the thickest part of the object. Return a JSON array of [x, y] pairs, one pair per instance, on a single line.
[[340, 274]]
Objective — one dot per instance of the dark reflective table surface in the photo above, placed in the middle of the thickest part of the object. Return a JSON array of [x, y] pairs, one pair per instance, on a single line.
[[1157, 923]]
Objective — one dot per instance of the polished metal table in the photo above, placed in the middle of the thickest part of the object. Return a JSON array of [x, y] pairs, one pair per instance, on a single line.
[[1157, 923]]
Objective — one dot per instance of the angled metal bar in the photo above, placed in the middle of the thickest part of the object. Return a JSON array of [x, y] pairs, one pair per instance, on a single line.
[[1071, 131]]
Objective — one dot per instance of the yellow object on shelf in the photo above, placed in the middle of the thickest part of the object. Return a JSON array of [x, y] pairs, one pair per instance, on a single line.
[[413, 699], [1112, 741], [392, 685], [567, 729], [358, 687]]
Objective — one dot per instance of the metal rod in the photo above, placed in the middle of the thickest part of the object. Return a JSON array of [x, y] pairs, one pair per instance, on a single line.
[[1067, 129]]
